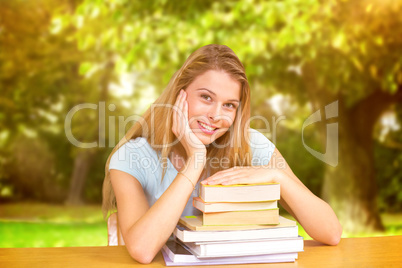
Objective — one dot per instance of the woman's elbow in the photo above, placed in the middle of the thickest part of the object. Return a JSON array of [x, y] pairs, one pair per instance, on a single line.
[[330, 236], [335, 236], [141, 254], [333, 241]]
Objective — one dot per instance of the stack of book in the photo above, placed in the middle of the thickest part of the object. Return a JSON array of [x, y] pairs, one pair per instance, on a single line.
[[239, 224], [240, 204]]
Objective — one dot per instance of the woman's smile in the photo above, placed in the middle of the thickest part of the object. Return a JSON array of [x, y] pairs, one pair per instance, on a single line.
[[208, 129]]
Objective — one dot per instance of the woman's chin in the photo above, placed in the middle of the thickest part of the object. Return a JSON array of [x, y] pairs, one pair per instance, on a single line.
[[206, 140]]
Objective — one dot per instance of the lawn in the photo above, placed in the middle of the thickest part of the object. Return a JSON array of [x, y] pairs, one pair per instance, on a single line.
[[44, 225]]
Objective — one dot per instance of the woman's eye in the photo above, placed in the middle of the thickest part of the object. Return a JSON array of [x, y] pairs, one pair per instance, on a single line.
[[206, 97], [230, 105]]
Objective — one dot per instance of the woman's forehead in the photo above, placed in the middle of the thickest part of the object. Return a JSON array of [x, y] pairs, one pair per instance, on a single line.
[[218, 83]]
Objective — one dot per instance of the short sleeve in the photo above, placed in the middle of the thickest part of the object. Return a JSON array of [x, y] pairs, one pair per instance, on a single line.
[[128, 158], [262, 148]]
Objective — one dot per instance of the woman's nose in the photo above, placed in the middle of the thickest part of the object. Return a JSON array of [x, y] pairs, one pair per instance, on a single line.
[[214, 112]]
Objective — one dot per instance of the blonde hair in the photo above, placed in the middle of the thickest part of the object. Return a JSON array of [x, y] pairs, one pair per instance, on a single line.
[[210, 57]]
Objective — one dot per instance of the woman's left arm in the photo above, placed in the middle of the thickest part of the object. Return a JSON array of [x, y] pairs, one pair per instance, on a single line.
[[316, 216]]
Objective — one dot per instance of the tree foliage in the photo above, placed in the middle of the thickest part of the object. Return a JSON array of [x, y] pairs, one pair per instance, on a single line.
[[55, 55]]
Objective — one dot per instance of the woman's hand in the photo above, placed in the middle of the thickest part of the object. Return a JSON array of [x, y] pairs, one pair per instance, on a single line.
[[245, 175], [181, 128]]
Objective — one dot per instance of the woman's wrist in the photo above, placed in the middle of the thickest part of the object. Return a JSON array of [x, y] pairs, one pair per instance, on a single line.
[[194, 165], [197, 152], [196, 161], [198, 157]]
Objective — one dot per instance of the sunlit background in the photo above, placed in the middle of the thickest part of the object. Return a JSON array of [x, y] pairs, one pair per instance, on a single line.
[[73, 74]]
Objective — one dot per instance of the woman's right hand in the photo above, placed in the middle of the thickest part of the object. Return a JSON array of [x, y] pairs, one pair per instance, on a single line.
[[181, 128]]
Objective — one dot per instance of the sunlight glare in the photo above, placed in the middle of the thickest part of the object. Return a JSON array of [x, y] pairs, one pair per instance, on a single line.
[[389, 123]]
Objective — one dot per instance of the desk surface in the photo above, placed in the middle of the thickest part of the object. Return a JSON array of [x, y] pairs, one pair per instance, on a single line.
[[356, 252]]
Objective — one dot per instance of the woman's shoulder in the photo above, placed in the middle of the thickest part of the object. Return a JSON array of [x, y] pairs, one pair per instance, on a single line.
[[259, 140], [261, 147], [139, 143], [138, 146], [130, 157], [136, 143]]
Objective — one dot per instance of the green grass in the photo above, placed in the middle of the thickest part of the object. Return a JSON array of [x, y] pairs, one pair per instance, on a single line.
[[45, 225], [48, 234], [392, 224]]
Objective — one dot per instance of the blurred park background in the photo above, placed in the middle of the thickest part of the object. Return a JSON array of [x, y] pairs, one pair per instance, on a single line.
[[113, 58]]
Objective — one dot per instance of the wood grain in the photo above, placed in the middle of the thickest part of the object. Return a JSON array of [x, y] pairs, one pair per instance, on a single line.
[[351, 252]]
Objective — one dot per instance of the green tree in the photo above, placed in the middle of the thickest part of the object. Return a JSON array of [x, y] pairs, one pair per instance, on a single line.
[[33, 85], [320, 52], [59, 55], [42, 77]]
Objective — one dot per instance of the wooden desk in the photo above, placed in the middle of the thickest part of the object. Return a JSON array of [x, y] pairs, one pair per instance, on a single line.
[[351, 252]]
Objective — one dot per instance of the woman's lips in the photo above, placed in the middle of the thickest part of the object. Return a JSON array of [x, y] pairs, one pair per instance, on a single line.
[[208, 129]]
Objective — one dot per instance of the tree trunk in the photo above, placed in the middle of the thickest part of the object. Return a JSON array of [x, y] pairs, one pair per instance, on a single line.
[[84, 158], [351, 187], [82, 165]]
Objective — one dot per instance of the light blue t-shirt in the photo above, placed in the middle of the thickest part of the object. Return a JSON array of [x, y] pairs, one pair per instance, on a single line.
[[137, 158]]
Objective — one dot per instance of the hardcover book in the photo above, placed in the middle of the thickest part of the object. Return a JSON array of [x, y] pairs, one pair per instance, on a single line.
[[268, 216], [245, 247], [240, 192], [205, 207], [176, 254], [195, 223], [186, 235]]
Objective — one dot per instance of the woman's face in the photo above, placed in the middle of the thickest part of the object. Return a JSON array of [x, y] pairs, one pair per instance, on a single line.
[[213, 98]]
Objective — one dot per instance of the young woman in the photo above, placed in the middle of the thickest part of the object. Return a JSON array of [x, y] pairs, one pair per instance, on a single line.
[[197, 132]]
